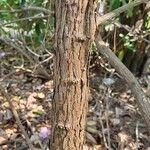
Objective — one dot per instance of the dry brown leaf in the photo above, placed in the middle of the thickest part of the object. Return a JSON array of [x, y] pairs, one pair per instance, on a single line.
[[123, 137], [8, 114], [115, 121], [3, 140], [31, 100]]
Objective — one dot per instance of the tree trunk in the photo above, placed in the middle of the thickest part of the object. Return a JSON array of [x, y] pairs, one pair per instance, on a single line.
[[74, 32]]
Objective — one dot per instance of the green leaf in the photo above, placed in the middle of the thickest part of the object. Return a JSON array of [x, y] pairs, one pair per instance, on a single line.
[[38, 111], [127, 37], [121, 35], [22, 2], [37, 29], [3, 2], [41, 95], [92, 130], [93, 47], [114, 4], [91, 123], [121, 54], [147, 22]]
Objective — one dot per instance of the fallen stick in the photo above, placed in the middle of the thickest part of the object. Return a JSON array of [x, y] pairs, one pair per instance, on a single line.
[[8, 98]]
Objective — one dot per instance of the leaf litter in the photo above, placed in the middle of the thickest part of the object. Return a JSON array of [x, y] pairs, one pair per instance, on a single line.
[[113, 120]]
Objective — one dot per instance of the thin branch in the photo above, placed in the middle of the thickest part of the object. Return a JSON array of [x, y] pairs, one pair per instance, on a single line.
[[117, 12], [137, 135], [140, 98], [8, 98], [103, 130], [127, 28], [23, 19], [22, 48], [38, 140], [28, 8], [147, 6], [107, 118]]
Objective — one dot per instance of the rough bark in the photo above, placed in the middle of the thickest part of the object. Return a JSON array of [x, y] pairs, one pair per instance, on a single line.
[[74, 31]]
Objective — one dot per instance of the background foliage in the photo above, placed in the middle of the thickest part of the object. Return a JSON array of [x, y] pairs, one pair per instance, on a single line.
[[27, 38]]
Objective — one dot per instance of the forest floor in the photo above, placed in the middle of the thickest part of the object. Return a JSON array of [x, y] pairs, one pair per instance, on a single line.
[[113, 120]]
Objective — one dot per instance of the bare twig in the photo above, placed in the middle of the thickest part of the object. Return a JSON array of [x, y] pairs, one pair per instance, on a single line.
[[117, 12], [28, 8], [21, 48], [147, 6], [45, 60], [107, 118], [137, 135], [8, 75], [141, 99], [13, 44], [8, 98], [23, 19], [29, 124], [127, 28], [103, 130]]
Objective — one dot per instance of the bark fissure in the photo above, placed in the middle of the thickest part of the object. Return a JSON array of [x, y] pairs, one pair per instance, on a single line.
[[70, 72]]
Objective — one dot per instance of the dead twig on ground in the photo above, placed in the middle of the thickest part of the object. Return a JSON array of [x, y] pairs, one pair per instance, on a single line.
[[8, 98]]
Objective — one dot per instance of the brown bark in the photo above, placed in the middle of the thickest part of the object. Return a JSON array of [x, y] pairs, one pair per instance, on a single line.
[[75, 29]]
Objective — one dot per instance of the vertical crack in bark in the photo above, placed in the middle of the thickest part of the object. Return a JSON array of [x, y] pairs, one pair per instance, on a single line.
[[73, 18]]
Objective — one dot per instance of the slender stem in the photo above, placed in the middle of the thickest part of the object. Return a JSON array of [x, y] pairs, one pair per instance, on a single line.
[[2, 90], [23, 19], [28, 8], [117, 12]]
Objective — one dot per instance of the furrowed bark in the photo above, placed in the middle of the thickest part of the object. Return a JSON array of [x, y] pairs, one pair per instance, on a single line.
[[75, 29]]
